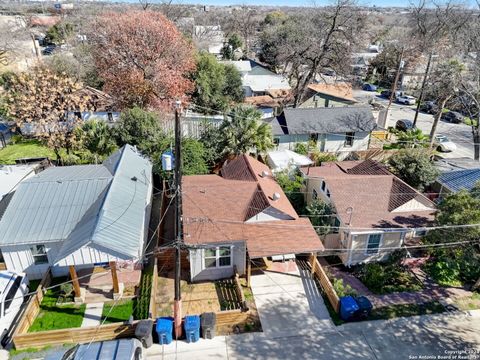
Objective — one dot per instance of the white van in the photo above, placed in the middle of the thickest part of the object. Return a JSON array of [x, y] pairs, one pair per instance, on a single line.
[[13, 288]]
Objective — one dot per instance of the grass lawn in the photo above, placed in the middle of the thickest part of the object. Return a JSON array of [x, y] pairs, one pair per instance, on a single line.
[[469, 303], [53, 317], [24, 149], [121, 311]]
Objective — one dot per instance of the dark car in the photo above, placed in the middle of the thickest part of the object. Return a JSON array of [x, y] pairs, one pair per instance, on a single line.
[[48, 50], [453, 117], [404, 125], [387, 93], [369, 87], [430, 107]]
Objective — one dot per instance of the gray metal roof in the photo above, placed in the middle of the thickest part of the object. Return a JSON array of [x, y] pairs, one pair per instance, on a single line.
[[324, 120], [460, 179], [79, 205]]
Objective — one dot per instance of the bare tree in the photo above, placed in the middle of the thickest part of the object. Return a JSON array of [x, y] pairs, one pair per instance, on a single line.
[[303, 45]]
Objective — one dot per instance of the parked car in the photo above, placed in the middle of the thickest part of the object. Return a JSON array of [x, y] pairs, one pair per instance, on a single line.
[[453, 117], [387, 93], [121, 349], [404, 125], [444, 144], [49, 50], [369, 87], [406, 100], [13, 288], [430, 107]]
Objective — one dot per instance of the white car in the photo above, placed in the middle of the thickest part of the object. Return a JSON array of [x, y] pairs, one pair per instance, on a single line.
[[444, 144], [406, 100], [13, 288]]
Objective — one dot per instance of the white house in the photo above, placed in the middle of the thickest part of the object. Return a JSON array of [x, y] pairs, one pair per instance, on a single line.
[[338, 130], [81, 216]]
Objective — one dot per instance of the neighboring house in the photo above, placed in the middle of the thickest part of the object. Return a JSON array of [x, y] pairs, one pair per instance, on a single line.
[[339, 130], [258, 85], [374, 209], [209, 38], [243, 66], [77, 217], [265, 104], [102, 106], [238, 215], [12, 175], [328, 95], [456, 180], [281, 160], [5, 134]]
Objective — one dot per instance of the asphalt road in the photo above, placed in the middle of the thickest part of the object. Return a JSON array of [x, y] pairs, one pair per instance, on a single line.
[[460, 134]]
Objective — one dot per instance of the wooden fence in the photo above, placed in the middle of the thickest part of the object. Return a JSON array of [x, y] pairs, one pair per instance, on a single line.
[[74, 335], [239, 291], [325, 283], [33, 306], [152, 313], [228, 320]]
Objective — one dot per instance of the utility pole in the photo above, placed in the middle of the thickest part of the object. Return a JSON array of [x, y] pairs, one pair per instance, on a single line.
[[394, 86], [177, 308], [420, 98]]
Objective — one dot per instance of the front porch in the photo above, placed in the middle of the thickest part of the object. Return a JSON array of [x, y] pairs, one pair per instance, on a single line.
[[100, 284]]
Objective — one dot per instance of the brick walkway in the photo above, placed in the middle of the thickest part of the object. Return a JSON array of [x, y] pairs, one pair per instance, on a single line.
[[431, 291]]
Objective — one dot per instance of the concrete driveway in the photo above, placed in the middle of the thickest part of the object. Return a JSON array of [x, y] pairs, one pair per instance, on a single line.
[[289, 304]]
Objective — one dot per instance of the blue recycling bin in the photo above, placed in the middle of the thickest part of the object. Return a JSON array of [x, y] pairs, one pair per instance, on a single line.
[[165, 330], [348, 307], [192, 328]]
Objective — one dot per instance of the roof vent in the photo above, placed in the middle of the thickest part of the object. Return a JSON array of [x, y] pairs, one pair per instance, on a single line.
[[264, 173], [276, 196]]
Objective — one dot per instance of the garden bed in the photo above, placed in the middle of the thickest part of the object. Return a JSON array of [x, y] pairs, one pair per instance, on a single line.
[[53, 316]]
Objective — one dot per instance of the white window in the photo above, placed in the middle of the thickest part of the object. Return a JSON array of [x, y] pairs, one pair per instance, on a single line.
[[373, 243], [220, 256], [39, 254], [419, 232], [314, 194]]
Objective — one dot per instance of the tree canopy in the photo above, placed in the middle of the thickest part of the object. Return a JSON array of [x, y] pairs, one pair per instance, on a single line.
[[142, 57], [40, 101], [217, 86], [414, 167]]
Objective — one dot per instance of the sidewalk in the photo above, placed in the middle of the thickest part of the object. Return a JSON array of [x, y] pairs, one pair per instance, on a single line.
[[93, 314]]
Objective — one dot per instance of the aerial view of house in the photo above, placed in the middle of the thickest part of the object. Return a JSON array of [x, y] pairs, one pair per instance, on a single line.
[[374, 208]]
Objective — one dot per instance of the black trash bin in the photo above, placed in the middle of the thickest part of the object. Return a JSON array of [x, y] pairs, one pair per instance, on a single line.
[[364, 307], [207, 322], [143, 332]]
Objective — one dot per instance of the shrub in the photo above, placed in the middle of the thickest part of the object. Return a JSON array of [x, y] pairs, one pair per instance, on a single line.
[[301, 148], [343, 290]]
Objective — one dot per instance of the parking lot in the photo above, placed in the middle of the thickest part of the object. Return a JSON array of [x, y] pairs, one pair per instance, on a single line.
[[460, 134]]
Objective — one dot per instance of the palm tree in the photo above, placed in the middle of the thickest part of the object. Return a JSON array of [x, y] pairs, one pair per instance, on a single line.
[[96, 137], [244, 131], [412, 138]]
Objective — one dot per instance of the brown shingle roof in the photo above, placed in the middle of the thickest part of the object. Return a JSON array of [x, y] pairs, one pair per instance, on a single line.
[[215, 210], [338, 90], [375, 198]]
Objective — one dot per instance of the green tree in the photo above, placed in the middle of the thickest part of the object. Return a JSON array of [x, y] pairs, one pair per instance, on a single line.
[[59, 33], [211, 139], [414, 167], [96, 137], [459, 264], [216, 85], [193, 157], [320, 214], [140, 128], [233, 43], [244, 130], [292, 186]]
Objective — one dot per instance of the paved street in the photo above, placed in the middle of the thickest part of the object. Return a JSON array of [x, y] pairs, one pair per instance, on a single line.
[[460, 134], [432, 336]]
